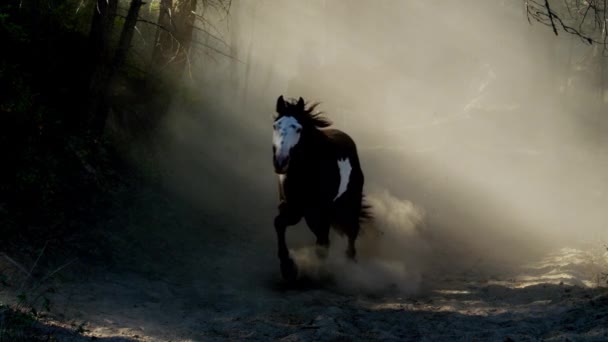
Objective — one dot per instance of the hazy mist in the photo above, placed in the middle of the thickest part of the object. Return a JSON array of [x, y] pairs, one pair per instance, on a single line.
[[470, 159]]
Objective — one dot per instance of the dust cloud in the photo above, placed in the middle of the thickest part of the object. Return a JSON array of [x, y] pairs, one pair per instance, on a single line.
[[473, 162], [392, 252]]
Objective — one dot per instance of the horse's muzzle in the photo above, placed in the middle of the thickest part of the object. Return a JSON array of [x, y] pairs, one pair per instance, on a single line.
[[280, 165]]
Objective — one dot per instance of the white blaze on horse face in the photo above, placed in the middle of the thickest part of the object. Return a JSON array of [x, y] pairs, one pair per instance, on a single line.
[[345, 169], [285, 136]]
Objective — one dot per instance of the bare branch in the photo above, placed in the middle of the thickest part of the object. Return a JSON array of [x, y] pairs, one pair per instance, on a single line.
[[551, 16], [544, 14], [218, 51], [218, 39], [207, 46]]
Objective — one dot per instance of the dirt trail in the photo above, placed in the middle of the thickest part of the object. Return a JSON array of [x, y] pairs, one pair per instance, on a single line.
[[136, 306], [222, 282]]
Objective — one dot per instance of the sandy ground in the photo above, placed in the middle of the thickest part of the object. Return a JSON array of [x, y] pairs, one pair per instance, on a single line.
[[224, 284], [158, 310], [549, 302]]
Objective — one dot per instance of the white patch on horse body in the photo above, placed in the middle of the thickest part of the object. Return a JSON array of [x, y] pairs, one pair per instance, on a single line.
[[345, 169], [285, 136]]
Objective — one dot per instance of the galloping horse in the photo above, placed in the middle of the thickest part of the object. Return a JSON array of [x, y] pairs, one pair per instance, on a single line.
[[320, 179]]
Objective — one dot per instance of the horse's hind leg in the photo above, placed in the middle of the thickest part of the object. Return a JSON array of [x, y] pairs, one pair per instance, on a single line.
[[320, 227], [285, 218], [352, 232], [348, 220], [351, 228]]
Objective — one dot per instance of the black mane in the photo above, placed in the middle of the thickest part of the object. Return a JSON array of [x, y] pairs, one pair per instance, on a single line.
[[305, 114]]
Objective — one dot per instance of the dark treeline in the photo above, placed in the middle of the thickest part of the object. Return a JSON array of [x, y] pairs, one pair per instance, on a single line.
[[79, 80]]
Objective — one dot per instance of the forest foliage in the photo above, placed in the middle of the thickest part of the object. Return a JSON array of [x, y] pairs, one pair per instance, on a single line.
[[79, 81]]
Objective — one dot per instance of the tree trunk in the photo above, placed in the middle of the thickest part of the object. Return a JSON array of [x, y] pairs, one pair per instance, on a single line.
[[171, 48], [249, 60], [163, 41], [234, 51], [101, 28], [126, 36], [174, 36], [184, 27], [102, 25], [100, 106]]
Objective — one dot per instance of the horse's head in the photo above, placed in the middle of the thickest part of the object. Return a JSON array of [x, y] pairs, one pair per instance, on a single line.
[[293, 124], [287, 131]]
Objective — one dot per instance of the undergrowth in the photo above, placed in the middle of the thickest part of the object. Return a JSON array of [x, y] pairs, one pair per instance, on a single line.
[[24, 317]]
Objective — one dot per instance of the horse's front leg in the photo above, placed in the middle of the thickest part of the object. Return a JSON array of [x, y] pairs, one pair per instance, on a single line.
[[287, 217], [319, 224]]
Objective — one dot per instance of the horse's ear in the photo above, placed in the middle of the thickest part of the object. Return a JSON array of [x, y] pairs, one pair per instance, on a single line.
[[301, 103], [280, 104]]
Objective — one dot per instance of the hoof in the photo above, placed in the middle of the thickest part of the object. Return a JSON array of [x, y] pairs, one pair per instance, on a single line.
[[289, 270]]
